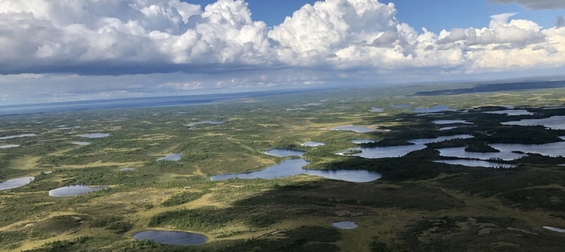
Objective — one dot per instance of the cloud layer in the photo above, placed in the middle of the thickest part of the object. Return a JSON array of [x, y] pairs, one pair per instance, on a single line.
[[536, 4], [117, 37], [221, 46]]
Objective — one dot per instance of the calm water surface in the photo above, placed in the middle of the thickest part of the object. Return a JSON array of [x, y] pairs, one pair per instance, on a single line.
[[294, 167], [434, 109], [345, 225], [283, 153], [559, 230], [171, 237], [459, 152], [171, 157], [358, 129], [95, 135], [205, 122], [554, 122], [74, 190], [510, 112], [17, 136], [475, 163], [313, 144], [9, 146], [15, 183], [443, 122]]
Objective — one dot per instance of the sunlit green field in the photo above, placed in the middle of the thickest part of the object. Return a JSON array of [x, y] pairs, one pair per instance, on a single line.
[[417, 205]]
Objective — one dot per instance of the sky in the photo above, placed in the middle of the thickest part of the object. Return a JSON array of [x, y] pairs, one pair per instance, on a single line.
[[99, 49]]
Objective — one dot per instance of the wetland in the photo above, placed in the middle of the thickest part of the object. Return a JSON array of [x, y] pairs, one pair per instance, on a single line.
[[454, 171]]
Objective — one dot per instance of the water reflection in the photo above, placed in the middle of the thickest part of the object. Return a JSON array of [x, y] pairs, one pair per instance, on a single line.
[[205, 122], [313, 144], [554, 122], [510, 112], [294, 167], [284, 153], [358, 129], [95, 135], [443, 122], [9, 146], [15, 183], [74, 190], [434, 109], [345, 225], [475, 163], [171, 237], [17, 136], [459, 152], [171, 157]]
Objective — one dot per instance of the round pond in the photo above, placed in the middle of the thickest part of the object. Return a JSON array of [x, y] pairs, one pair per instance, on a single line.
[[171, 237]]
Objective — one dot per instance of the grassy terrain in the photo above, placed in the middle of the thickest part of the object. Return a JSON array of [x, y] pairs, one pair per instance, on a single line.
[[418, 205]]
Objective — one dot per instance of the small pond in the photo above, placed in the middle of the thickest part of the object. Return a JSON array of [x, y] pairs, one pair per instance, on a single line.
[[358, 129], [559, 230], [364, 141], [81, 143], [9, 146], [205, 122], [554, 122], [283, 153], [74, 190], [448, 128], [127, 169], [15, 183], [95, 135], [17, 136], [345, 225], [171, 237], [295, 109], [443, 122], [434, 109], [459, 152], [293, 167], [377, 110], [171, 157], [510, 112], [398, 106], [312, 144], [475, 163]]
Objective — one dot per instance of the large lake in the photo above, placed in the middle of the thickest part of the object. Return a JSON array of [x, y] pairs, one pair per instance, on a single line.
[[398, 151], [15, 183], [293, 167], [171, 237], [554, 122], [475, 163]]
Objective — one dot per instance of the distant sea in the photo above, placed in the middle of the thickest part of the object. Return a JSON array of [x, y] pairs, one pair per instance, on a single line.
[[142, 102]]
